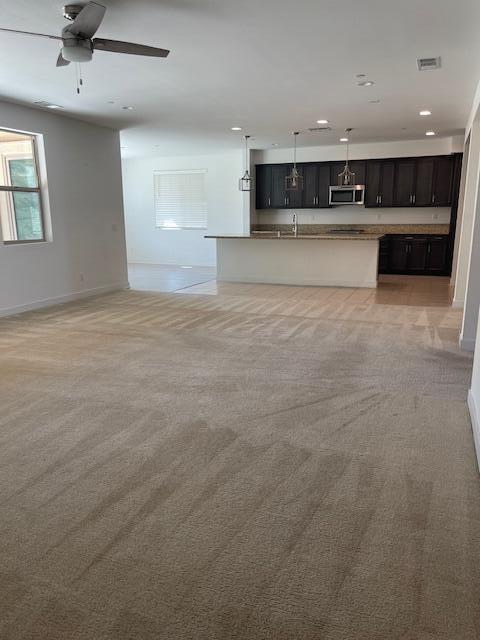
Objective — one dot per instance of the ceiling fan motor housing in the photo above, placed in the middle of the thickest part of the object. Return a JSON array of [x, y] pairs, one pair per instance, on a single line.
[[76, 49], [71, 11]]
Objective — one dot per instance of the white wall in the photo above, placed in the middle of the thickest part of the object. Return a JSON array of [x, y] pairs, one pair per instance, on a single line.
[[227, 210], [360, 215], [86, 250], [474, 396]]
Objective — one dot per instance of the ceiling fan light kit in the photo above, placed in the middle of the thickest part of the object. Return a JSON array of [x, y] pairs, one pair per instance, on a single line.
[[78, 43]]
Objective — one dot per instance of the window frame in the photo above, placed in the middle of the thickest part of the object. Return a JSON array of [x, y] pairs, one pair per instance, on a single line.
[[203, 172], [37, 190]]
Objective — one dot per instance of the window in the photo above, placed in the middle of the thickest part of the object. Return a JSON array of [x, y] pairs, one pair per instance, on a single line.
[[21, 216], [180, 199]]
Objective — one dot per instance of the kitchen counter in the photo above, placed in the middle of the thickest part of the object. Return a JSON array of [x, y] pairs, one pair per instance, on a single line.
[[333, 260], [320, 229], [262, 235]]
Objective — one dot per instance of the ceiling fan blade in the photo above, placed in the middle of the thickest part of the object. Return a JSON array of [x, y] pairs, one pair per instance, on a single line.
[[31, 33], [117, 46], [88, 20], [61, 62]]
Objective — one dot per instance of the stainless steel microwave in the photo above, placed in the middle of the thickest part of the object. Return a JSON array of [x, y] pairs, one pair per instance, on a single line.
[[347, 194]]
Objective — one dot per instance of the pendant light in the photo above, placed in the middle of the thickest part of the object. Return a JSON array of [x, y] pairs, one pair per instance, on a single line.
[[294, 181], [347, 177], [246, 181]]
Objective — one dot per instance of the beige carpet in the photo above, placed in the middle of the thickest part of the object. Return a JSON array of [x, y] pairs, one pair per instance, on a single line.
[[254, 465]]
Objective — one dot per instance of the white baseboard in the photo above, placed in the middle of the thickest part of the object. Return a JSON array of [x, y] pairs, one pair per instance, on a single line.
[[474, 416], [368, 284], [457, 304], [69, 297], [467, 344]]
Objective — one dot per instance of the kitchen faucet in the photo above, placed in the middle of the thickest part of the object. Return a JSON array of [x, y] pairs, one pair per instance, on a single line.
[[295, 225]]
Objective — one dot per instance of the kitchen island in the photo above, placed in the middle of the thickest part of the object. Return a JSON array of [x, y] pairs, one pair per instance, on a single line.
[[327, 260]]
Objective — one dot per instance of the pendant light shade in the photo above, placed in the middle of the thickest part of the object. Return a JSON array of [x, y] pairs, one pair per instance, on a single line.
[[294, 181], [346, 178], [246, 182]]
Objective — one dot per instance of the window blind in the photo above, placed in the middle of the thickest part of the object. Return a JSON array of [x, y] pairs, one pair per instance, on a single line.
[[180, 199]]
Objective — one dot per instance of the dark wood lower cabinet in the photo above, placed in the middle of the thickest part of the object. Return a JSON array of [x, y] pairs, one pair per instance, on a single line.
[[414, 255]]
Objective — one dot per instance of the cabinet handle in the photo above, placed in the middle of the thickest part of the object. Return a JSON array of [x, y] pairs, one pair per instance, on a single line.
[[315, 200], [428, 248], [380, 199], [433, 199], [285, 200], [268, 200], [413, 198], [377, 200]]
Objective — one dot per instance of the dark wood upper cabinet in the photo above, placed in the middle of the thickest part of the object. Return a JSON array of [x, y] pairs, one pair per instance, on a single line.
[[442, 181], [323, 184], [422, 196], [263, 186], [278, 198], [310, 185], [294, 198], [316, 176], [387, 183], [404, 183], [395, 182], [380, 183], [372, 192]]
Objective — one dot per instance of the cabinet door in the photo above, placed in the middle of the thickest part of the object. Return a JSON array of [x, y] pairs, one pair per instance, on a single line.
[[279, 195], [398, 254], [294, 198], [404, 183], [335, 169], [387, 181], [310, 185], [383, 255], [372, 194], [323, 184], [263, 186], [417, 254], [442, 181], [424, 182], [437, 254], [359, 169]]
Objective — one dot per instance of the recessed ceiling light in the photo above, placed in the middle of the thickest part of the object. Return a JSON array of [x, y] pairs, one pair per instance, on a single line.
[[128, 108], [274, 144], [322, 121], [366, 83], [343, 139], [360, 75], [426, 112], [430, 133], [47, 105], [236, 128], [374, 101]]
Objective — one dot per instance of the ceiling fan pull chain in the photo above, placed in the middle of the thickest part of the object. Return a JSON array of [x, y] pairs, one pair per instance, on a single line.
[[80, 71], [76, 77]]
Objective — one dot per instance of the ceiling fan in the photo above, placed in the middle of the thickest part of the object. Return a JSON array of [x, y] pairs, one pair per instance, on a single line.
[[78, 43]]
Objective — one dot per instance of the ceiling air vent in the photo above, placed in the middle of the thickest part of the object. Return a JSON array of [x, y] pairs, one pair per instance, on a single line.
[[320, 129], [427, 64]]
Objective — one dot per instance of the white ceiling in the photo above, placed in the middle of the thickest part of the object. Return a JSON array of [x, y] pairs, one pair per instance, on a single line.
[[270, 66]]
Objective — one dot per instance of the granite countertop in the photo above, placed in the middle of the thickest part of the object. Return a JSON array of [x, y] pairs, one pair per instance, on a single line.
[[320, 229], [309, 236]]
